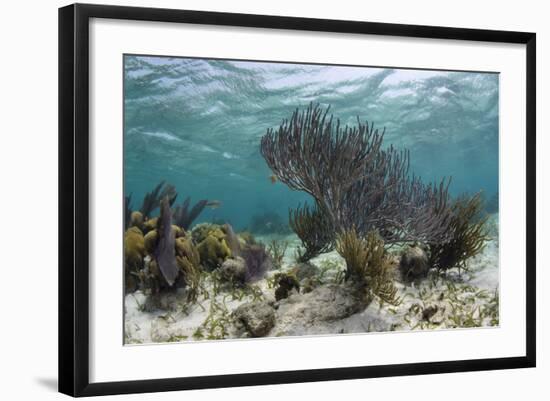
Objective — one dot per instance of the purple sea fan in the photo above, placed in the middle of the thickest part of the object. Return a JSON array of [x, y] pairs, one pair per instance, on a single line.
[[232, 240], [258, 261], [165, 252]]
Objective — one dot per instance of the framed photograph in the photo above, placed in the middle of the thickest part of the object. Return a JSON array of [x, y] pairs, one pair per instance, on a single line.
[[251, 199]]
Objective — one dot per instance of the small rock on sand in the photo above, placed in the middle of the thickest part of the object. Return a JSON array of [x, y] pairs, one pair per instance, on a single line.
[[257, 319]]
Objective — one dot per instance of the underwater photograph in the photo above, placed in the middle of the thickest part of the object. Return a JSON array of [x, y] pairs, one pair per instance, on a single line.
[[273, 199]]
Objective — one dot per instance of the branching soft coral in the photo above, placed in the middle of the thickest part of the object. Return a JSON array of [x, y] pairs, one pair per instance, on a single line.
[[152, 199], [188, 260], [184, 217], [468, 234], [355, 180], [314, 229], [367, 264]]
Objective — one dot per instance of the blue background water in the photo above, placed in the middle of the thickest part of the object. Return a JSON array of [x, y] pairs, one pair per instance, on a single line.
[[197, 124]]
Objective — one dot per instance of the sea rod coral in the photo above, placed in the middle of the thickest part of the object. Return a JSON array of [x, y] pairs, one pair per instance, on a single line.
[[353, 179], [314, 229], [152, 199], [183, 217], [468, 234]]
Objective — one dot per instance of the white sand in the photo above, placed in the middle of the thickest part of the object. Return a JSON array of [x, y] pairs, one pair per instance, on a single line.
[[466, 300]]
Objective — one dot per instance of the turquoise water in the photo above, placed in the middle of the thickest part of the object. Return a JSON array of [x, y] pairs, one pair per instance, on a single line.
[[197, 124]]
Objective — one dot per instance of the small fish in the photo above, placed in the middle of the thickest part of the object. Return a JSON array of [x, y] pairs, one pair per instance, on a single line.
[[214, 204], [273, 178]]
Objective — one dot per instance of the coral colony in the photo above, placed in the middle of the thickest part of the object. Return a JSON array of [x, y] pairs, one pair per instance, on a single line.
[[376, 249]]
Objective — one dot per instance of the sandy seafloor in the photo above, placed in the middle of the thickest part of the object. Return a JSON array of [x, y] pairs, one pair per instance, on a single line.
[[441, 301]]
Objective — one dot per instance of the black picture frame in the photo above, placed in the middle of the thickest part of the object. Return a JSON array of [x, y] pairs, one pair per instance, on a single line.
[[74, 198]]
